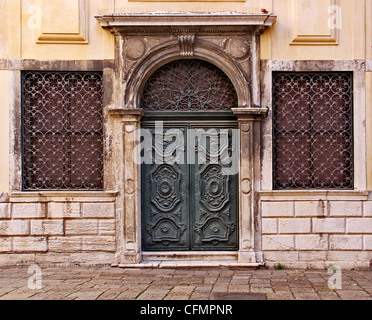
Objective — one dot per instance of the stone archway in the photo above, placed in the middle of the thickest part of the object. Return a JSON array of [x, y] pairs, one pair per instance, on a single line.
[[144, 42], [190, 177]]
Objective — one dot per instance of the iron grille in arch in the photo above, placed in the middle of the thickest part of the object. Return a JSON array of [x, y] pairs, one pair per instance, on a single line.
[[313, 130], [62, 130], [189, 85]]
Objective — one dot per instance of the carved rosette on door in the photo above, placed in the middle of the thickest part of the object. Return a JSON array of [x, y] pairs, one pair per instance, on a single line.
[[165, 195], [215, 196]]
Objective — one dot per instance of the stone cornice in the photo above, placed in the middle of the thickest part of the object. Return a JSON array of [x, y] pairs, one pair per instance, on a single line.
[[184, 19]]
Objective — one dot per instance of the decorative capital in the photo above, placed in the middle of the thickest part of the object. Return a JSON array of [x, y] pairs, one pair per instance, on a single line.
[[250, 114], [131, 114]]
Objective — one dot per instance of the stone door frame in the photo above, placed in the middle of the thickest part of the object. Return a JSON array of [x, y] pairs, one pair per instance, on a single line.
[[143, 43]]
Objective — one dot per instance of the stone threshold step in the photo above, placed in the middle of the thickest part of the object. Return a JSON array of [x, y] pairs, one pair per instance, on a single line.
[[191, 264]]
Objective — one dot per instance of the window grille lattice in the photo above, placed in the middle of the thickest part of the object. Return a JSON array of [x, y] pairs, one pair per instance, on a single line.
[[312, 130], [62, 131], [189, 85]]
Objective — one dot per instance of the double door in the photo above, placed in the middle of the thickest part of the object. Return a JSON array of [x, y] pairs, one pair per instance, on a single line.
[[188, 199]]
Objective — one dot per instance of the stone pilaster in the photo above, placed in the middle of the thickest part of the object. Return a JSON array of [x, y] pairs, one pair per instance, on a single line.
[[247, 175], [126, 123]]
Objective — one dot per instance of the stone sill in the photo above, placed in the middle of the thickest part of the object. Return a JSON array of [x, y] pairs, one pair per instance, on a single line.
[[63, 196], [313, 195]]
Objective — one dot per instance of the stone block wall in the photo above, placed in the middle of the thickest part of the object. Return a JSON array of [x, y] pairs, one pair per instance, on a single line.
[[294, 231], [317, 234], [57, 230]]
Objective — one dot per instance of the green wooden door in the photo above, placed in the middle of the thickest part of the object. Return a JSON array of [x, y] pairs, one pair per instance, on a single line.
[[188, 202]]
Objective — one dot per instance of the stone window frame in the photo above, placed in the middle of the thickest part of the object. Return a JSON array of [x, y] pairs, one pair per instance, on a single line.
[[67, 131], [358, 68], [280, 148], [15, 68]]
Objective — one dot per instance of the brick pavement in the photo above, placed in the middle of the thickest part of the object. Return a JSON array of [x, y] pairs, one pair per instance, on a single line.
[[105, 283]]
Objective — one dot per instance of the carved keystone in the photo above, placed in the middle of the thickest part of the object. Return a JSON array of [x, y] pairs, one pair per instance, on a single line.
[[186, 43]]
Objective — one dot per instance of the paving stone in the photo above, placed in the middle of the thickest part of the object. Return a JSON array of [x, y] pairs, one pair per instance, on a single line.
[[209, 280], [111, 294], [302, 290], [200, 296], [180, 293], [223, 287], [365, 283], [161, 286], [152, 294], [280, 296], [17, 296], [191, 281], [237, 296], [203, 289], [106, 283], [128, 295], [351, 287], [322, 288], [85, 295], [306, 296], [260, 281], [329, 296], [239, 282], [262, 290], [261, 285], [223, 280], [5, 290], [281, 289], [353, 295], [278, 280], [239, 288]]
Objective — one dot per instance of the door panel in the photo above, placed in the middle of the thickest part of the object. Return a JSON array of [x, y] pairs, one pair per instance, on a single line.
[[165, 221], [214, 208], [189, 205]]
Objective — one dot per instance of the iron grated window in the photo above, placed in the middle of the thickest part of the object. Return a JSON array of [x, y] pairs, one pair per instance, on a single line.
[[313, 130], [62, 131]]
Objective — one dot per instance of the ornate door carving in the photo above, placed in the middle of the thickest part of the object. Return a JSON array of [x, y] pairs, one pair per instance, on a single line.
[[164, 198], [214, 193], [189, 206]]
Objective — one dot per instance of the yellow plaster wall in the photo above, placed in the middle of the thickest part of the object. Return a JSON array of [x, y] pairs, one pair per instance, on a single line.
[[249, 6], [10, 29], [4, 131], [25, 19], [310, 18], [369, 30], [99, 43], [60, 14]]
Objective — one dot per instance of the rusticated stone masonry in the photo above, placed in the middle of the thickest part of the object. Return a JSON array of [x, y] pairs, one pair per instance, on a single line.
[[317, 233], [77, 231]]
